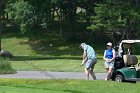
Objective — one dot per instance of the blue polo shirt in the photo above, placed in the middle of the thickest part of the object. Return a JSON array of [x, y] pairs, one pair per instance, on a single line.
[[109, 53]]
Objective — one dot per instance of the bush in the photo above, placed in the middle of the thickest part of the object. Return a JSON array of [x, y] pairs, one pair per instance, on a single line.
[[5, 66]]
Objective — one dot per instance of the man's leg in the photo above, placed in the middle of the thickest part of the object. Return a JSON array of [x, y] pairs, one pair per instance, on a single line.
[[87, 68], [92, 74], [86, 74], [91, 70]]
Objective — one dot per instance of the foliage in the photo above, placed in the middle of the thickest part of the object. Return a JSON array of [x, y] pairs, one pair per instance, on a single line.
[[44, 13], [21, 12], [5, 67], [70, 18], [117, 16]]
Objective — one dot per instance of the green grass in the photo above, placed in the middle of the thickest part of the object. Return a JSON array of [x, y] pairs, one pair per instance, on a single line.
[[40, 43], [57, 58], [65, 86], [62, 64], [9, 89], [34, 52], [17, 46], [37, 54]]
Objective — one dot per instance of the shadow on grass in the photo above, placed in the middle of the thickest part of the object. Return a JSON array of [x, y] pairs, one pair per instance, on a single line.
[[73, 91], [30, 58], [50, 43], [55, 48]]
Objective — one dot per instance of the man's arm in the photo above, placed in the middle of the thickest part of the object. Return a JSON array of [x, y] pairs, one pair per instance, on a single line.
[[84, 55], [84, 58]]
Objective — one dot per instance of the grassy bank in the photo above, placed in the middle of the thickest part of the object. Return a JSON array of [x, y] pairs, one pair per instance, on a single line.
[[65, 86], [45, 53]]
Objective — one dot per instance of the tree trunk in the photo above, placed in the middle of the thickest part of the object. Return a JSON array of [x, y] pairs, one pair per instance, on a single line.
[[2, 2], [60, 22], [89, 10], [0, 34]]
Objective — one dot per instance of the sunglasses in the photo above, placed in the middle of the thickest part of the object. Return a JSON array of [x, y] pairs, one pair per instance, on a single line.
[[108, 46]]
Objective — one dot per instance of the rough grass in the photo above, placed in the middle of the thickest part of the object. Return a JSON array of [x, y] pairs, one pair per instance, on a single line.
[[65, 86]]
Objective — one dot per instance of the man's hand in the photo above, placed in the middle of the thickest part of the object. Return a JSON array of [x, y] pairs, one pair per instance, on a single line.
[[108, 60], [83, 62]]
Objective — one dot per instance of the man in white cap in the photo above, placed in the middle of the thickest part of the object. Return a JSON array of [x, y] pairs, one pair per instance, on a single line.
[[109, 56], [89, 59]]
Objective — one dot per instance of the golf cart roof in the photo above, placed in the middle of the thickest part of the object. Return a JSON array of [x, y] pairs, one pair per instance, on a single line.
[[130, 41]]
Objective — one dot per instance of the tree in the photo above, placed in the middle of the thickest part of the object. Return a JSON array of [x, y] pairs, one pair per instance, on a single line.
[[22, 13], [2, 6], [42, 12], [117, 16]]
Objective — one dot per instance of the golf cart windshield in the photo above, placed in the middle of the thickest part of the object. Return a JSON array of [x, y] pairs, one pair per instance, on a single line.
[[130, 41], [126, 44]]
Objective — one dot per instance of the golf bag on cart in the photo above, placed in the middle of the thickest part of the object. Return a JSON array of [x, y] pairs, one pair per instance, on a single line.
[[118, 63]]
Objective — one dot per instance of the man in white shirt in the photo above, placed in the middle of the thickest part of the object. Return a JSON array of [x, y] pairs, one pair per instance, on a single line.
[[89, 59]]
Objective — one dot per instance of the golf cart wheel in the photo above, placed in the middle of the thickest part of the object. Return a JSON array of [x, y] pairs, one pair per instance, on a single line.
[[119, 78]]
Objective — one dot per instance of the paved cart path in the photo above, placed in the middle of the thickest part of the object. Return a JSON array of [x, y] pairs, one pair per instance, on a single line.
[[50, 75]]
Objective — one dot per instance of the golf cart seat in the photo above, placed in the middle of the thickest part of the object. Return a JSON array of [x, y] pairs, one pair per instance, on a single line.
[[130, 60], [125, 57]]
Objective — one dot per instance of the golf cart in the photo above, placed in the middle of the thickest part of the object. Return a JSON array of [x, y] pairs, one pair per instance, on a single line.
[[126, 67]]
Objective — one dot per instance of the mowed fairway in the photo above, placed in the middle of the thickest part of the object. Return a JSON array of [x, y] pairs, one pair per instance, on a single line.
[[65, 86], [53, 63], [61, 64]]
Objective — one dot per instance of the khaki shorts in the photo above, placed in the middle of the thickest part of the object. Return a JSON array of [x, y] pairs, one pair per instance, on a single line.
[[109, 64], [90, 63]]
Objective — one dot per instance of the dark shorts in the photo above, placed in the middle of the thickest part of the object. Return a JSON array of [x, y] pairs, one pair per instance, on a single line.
[[90, 63]]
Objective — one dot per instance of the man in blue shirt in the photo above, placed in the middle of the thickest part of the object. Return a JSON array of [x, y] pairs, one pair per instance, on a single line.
[[89, 59]]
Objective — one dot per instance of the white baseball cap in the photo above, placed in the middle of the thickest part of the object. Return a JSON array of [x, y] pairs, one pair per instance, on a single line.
[[82, 45], [109, 44]]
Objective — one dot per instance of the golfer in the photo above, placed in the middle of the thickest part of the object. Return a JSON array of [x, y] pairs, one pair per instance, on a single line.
[[109, 56], [89, 59]]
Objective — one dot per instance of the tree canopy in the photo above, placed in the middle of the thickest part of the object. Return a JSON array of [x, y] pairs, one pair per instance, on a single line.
[[119, 17]]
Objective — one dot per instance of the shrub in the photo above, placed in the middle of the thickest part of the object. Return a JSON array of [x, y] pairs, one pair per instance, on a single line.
[[5, 66]]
